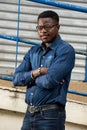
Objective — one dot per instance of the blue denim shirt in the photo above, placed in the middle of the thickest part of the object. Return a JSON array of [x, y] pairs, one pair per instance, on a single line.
[[59, 57]]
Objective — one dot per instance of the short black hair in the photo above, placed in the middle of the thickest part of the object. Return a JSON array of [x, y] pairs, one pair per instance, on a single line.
[[49, 14]]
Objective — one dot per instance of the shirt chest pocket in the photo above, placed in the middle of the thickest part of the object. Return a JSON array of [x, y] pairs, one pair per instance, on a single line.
[[48, 60], [42, 60]]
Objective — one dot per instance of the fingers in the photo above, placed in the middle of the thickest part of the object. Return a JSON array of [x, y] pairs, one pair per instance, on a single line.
[[62, 81]]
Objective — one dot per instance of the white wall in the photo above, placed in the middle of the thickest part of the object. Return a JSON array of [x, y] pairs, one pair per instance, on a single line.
[[13, 107], [10, 120]]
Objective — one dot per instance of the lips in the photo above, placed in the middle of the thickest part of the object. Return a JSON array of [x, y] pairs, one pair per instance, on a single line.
[[44, 36]]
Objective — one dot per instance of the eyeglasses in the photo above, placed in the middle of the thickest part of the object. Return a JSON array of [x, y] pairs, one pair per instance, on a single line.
[[46, 27]]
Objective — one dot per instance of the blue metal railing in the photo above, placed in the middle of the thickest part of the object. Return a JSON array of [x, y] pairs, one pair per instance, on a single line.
[[17, 39], [61, 5], [6, 78], [12, 38], [18, 28]]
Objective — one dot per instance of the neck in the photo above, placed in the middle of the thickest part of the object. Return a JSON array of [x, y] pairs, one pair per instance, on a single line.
[[47, 44]]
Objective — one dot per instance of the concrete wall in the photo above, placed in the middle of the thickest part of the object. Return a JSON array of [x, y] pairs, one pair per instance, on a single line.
[[10, 120], [13, 107]]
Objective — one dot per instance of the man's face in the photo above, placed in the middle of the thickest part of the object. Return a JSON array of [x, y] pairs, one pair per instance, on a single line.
[[47, 29]]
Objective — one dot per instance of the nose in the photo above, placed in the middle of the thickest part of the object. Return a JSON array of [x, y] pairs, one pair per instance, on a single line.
[[43, 30]]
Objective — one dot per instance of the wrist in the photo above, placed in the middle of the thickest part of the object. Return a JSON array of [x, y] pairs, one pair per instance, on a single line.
[[39, 71], [35, 73], [32, 76]]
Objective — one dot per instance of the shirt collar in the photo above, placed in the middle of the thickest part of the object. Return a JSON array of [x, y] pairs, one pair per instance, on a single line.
[[54, 44]]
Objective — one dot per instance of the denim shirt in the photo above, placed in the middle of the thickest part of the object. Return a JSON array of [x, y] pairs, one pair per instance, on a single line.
[[59, 58]]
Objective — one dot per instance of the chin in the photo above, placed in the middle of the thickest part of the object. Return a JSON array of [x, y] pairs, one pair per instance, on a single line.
[[46, 41]]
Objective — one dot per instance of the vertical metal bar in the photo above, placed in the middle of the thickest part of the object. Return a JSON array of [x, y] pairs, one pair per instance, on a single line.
[[86, 66], [18, 23]]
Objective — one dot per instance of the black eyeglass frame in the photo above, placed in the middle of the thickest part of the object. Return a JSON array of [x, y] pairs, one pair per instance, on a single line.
[[47, 27]]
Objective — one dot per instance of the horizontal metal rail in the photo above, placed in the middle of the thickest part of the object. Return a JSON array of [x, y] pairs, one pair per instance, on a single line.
[[69, 91], [77, 93], [32, 43], [6, 78], [12, 38], [61, 5]]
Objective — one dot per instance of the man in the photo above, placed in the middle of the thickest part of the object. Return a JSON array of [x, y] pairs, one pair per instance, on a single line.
[[46, 71]]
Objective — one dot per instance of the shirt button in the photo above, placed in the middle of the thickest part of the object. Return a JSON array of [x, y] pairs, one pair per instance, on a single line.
[[30, 82], [32, 94], [41, 65], [31, 104], [43, 56]]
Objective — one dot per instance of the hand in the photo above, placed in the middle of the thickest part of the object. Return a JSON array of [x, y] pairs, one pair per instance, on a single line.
[[43, 71], [39, 71], [62, 81]]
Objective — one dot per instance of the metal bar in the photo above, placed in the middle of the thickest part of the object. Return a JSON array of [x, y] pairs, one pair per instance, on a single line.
[[12, 38], [77, 93], [61, 5], [18, 23], [32, 43], [6, 78], [86, 71], [86, 66], [69, 91], [81, 53]]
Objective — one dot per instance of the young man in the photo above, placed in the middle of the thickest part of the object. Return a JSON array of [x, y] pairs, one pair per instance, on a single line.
[[46, 71]]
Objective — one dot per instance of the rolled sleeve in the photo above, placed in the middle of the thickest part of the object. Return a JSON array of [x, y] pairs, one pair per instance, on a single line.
[[22, 79], [22, 75]]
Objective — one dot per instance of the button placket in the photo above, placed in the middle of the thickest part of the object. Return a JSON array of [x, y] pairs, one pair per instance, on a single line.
[[31, 97]]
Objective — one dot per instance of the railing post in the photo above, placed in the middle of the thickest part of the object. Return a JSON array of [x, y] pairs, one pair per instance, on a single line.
[[18, 23], [86, 70]]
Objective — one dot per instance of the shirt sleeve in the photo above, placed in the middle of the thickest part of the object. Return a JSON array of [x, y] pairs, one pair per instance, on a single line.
[[60, 68], [22, 75]]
